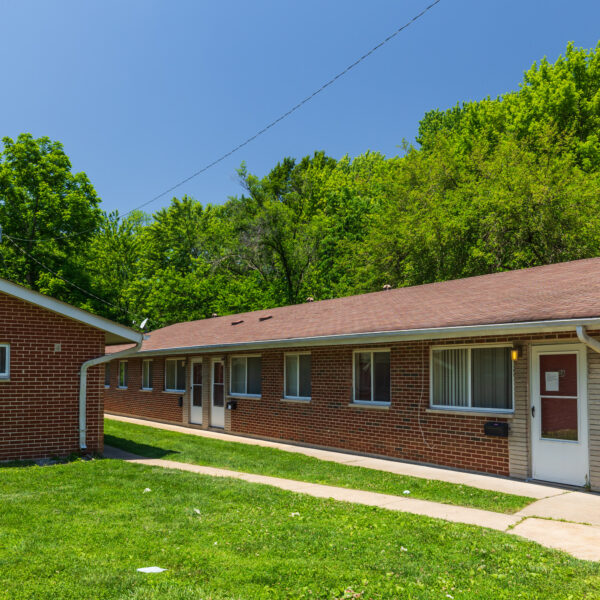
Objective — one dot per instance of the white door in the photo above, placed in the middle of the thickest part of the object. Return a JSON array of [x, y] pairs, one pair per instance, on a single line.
[[217, 396], [196, 392], [559, 425]]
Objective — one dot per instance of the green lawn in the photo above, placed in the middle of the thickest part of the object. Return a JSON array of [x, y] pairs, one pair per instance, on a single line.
[[80, 531], [159, 443]]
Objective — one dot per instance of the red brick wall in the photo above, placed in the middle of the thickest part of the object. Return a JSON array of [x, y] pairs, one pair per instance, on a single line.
[[155, 404], [39, 406], [404, 430], [407, 429]]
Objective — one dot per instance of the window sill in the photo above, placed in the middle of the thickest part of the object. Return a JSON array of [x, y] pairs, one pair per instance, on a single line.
[[120, 387], [173, 391], [296, 400], [471, 413], [4, 379], [107, 387], [370, 405], [146, 389], [241, 396]]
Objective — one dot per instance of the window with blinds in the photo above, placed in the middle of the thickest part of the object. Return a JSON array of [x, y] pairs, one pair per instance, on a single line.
[[175, 375], [478, 378], [147, 374], [246, 376], [372, 376], [297, 384], [123, 374]]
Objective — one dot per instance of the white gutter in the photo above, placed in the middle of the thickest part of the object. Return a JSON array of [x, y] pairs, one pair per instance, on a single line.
[[83, 386], [586, 339]]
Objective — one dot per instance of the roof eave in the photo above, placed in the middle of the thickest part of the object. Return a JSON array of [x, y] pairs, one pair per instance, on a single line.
[[115, 332], [378, 337]]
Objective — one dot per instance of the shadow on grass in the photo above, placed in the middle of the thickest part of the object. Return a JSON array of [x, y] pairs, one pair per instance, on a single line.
[[47, 462], [12, 464], [135, 448]]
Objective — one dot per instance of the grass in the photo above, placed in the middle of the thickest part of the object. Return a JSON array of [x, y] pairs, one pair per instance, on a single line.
[[80, 530], [160, 443]]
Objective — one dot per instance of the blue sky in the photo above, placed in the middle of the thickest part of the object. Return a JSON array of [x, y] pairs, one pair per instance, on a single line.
[[142, 92]]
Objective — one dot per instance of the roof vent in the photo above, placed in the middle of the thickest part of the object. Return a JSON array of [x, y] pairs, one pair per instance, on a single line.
[[237, 322], [387, 287], [265, 318], [310, 299], [214, 315]]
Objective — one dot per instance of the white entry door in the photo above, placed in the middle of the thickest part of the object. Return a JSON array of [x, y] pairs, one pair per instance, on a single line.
[[196, 392], [217, 407], [559, 424]]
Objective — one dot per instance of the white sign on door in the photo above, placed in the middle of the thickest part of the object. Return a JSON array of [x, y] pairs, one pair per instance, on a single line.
[[552, 381]]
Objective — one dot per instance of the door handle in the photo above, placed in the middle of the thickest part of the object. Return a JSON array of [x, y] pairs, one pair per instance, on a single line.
[[533, 411]]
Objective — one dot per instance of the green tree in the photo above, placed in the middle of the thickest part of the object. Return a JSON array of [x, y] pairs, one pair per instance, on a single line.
[[279, 225], [491, 210], [114, 263], [51, 212], [563, 96]]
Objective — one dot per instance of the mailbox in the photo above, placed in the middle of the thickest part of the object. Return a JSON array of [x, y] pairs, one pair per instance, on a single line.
[[180, 401], [496, 428], [231, 405]]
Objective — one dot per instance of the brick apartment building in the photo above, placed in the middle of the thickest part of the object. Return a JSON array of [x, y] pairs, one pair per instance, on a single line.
[[43, 344], [498, 374]]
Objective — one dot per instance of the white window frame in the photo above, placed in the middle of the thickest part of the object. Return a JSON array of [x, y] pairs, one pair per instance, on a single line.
[[107, 365], [6, 373], [240, 394], [297, 355], [123, 387], [469, 408], [370, 351], [175, 390], [150, 387]]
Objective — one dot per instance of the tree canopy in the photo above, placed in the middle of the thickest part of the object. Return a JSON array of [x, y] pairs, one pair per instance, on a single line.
[[51, 213]]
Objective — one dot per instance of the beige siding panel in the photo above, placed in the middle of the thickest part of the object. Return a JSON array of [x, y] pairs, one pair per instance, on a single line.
[[594, 417], [518, 439]]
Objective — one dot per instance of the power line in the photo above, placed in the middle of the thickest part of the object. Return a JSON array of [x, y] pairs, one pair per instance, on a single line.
[[264, 129], [49, 270]]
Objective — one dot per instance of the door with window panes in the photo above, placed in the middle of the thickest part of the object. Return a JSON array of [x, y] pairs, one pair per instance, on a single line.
[[559, 425], [196, 393], [217, 405]]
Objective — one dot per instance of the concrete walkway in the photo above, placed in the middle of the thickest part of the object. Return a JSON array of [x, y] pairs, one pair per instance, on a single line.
[[582, 541], [484, 482]]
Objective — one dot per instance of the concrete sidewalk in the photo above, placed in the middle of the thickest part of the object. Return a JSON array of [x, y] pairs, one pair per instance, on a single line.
[[582, 541], [484, 482]]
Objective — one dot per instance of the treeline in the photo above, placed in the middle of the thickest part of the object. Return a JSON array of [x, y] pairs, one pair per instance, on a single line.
[[491, 185]]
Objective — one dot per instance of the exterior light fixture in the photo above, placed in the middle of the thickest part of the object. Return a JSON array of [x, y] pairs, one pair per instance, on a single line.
[[516, 353]]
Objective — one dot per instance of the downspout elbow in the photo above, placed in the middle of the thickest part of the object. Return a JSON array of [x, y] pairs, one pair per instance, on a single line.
[[590, 342], [83, 386]]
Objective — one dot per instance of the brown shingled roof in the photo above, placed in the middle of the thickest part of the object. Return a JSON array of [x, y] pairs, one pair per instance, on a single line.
[[554, 292]]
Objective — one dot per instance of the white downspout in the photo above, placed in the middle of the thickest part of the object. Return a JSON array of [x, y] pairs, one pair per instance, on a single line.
[[590, 342], [83, 386]]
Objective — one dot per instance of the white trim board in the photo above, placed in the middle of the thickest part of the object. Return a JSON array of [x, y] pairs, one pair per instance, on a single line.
[[115, 333]]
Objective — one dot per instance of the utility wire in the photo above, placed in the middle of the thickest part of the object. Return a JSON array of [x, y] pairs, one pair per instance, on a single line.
[[264, 129], [49, 270]]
